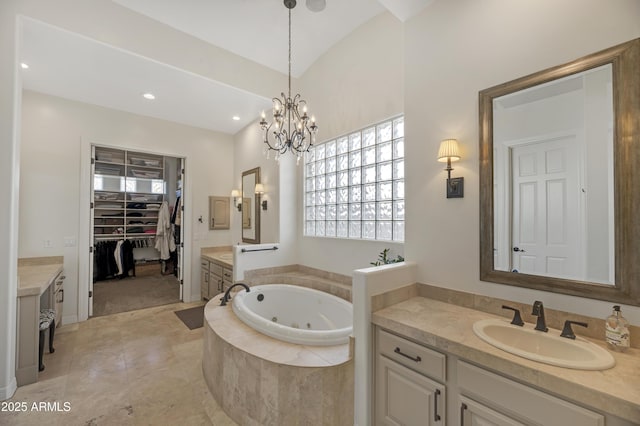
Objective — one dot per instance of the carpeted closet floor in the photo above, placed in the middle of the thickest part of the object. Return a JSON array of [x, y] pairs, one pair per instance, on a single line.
[[147, 289]]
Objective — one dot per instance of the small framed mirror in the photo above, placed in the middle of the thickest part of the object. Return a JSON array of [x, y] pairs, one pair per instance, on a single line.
[[250, 208]]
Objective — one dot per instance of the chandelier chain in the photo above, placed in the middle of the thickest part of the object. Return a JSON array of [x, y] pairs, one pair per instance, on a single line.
[[292, 129], [289, 94]]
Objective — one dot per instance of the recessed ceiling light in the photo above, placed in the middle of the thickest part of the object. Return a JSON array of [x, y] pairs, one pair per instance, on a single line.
[[24, 65], [149, 96], [235, 118]]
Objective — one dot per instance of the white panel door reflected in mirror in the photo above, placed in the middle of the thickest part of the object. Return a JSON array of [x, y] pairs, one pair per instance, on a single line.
[[554, 178]]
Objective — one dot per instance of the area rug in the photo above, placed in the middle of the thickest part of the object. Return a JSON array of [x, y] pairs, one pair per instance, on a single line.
[[192, 317]]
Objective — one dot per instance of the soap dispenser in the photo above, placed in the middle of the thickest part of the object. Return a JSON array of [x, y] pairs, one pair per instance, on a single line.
[[617, 331]]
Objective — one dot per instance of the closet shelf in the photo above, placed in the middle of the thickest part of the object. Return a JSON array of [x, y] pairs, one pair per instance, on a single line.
[[129, 179]]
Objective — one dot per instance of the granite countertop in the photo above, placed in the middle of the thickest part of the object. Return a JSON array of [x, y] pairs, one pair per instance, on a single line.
[[221, 255], [615, 391], [36, 274]]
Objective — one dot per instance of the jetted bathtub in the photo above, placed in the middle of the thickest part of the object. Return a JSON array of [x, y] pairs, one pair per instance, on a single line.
[[295, 314]]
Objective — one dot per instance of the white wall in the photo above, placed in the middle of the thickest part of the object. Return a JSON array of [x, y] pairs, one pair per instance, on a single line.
[[248, 155], [453, 50], [358, 82], [53, 133], [122, 28], [9, 181]]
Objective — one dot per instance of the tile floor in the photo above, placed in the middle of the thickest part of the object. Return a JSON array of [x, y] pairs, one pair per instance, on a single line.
[[134, 368]]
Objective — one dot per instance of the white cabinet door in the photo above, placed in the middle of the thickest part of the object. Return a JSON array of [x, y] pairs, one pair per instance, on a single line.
[[475, 414], [204, 283], [406, 398]]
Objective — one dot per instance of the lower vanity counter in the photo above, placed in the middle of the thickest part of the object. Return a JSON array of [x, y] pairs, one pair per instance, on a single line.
[[485, 385]]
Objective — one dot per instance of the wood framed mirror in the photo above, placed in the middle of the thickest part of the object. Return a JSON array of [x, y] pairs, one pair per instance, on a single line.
[[250, 207], [560, 188]]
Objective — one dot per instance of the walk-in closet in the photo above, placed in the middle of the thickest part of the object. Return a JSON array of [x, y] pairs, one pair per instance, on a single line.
[[136, 216]]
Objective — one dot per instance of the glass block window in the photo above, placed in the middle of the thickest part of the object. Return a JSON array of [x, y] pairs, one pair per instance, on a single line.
[[354, 185]]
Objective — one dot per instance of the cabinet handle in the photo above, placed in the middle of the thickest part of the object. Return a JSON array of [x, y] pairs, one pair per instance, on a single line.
[[399, 352], [436, 416], [62, 296], [463, 407], [206, 278]]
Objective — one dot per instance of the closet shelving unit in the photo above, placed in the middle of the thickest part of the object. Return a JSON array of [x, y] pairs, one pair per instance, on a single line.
[[128, 189]]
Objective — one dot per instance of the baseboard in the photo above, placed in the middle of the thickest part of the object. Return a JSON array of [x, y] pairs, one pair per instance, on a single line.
[[8, 391], [69, 319]]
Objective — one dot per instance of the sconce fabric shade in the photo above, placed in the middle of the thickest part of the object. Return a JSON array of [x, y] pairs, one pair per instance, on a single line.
[[259, 188], [235, 193], [448, 151]]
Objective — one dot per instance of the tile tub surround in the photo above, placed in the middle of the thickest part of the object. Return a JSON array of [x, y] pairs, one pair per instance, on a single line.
[[448, 327], [329, 282], [258, 380]]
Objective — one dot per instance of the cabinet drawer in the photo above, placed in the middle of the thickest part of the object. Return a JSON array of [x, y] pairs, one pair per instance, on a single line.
[[215, 269], [59, 280], [414, 356], [227, 275], [520, 401], [204, 263]]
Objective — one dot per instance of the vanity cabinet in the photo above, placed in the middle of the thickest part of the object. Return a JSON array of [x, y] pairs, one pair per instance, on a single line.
[[416, 385], [227, 278], [409, 383], [214, 278], [58, 298], [502, 400], [474, 413], [204, 279]]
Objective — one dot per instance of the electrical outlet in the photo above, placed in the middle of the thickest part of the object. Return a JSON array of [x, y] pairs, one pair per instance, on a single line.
[[47, 244], [69, 242]]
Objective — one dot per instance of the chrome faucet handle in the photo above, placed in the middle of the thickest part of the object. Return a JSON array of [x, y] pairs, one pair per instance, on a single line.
[[567, 331], [517, 319]]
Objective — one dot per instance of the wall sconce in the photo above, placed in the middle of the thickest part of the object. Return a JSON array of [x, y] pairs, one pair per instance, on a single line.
[[260, 192], [236, 194], [449, 152]]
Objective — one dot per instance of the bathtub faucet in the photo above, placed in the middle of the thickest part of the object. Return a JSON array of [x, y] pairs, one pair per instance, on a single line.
[[227, 294]]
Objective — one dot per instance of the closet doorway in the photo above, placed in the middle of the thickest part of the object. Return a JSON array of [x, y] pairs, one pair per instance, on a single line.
[[137, 239]]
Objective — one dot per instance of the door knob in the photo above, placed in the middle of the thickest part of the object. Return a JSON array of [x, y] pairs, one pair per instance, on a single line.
[[517, 249]]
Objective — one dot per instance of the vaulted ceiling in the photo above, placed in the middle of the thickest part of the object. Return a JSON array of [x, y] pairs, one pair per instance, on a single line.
[[72, 66]]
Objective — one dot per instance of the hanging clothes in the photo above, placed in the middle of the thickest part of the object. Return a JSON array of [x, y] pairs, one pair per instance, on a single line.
[[104, 262], [117, 254], [126, 257], [113, 259], [164, 233]]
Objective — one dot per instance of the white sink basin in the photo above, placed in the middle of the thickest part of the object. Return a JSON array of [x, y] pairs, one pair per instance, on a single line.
[[548, 348]]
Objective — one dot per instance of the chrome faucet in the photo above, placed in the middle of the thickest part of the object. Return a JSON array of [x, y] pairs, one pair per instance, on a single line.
[[538, 310], [226, 297]]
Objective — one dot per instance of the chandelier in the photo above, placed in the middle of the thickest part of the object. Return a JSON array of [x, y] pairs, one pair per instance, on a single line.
[[291, 129]]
